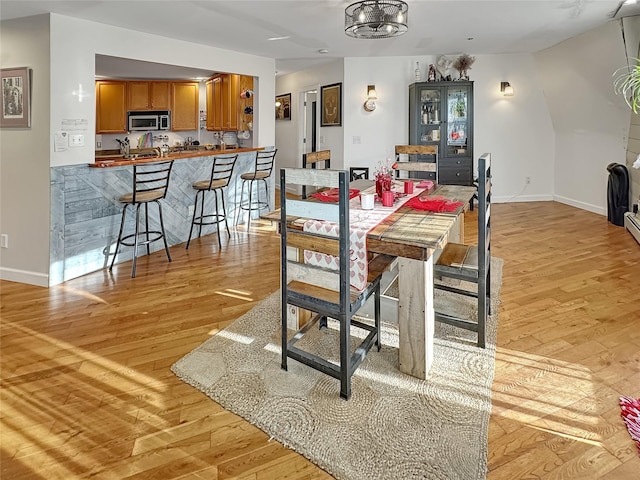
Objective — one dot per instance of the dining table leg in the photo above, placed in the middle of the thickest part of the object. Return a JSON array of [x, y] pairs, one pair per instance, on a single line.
[[416, 321]]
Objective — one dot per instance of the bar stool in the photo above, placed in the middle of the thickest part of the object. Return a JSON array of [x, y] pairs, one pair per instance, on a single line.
[[221, 171], [262, 171], [150, 184]]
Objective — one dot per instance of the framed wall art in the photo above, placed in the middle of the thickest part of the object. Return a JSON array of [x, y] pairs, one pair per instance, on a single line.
[[283, 107], [331, 101], [16, 97]]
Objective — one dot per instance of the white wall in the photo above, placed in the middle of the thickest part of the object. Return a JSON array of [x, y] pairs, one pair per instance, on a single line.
[[289, 133], [632, 40], [591, 122], [61, 50], [24, 158], [74, 44], [516, 130]]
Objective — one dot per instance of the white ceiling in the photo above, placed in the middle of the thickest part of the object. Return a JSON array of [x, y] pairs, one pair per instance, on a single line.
[[436, 27]]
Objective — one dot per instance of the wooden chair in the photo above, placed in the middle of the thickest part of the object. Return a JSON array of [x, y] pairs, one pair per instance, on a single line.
[[312, 159], [471, 263], [221, 171], [150, 185], [415, 165], [324, 293]]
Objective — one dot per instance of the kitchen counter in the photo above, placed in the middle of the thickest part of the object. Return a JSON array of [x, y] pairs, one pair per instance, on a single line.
[[86, 212], [116, 160]]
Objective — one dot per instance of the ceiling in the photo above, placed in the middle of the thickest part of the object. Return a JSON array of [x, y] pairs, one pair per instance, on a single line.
[[293, 31]]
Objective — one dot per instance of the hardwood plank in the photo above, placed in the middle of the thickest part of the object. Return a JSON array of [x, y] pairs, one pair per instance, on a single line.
[[86, 389]]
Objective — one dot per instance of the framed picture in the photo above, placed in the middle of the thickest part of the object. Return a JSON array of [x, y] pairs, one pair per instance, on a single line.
[[16, 97], [331, 101], [283, 107]]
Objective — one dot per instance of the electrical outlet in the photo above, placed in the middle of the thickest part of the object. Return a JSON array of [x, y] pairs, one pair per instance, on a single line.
[[4, 240], [356, 140], [527, 180], [191, 208]]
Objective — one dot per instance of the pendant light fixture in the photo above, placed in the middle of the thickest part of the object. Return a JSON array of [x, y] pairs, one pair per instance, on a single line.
[[376, 19]]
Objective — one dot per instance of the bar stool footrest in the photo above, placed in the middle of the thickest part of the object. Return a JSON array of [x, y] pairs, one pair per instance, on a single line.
[[129, 240], [219, 218]]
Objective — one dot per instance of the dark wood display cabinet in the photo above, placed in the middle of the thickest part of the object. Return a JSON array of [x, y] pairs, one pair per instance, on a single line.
[[441, 113]]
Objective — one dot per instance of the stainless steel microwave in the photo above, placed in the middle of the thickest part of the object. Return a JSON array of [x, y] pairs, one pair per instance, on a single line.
[[159, 120]]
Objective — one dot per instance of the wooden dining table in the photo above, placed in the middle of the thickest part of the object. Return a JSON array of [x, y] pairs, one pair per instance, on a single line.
[[414, 236]]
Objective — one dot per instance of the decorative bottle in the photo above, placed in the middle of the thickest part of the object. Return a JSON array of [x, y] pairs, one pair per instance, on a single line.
[[417, 71]]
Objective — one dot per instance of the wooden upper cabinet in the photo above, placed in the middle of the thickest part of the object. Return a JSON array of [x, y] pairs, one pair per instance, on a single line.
[[111, 107], [230, 102], [184, 106], [225, 108], [214, 103], [148, 95]]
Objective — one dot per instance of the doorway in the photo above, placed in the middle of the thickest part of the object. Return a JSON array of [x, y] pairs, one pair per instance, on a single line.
[[310, 127]]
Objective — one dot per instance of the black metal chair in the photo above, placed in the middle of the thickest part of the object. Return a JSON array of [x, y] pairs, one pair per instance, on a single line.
[[262, 171], [311, 160], [221, 171], [150, 185], [325, 293], [359, 173], [471, 263]]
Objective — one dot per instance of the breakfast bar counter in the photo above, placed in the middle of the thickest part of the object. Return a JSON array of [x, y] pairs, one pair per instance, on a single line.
[[86, 214], [118, 160]]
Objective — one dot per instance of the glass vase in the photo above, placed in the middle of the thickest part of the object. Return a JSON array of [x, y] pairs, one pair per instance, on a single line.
[[383, 184]]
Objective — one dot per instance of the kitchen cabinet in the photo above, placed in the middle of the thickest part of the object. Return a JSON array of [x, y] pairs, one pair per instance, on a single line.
[[148, 95], [214, 104], [225, 108], [230, 101], [184, 106], [441, 113], [111, 106]]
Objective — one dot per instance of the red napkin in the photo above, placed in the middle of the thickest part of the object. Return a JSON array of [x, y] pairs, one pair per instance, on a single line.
[[433, 204], [331, 195]]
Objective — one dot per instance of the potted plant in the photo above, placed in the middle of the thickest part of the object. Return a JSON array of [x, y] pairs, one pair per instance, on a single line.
[[462, 64], [627, 84]]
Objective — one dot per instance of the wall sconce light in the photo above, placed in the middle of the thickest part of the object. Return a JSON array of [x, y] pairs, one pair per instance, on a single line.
[[506, 89], [372, 96]]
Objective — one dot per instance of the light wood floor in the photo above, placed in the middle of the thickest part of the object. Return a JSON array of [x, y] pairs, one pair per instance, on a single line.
[[87, 390]]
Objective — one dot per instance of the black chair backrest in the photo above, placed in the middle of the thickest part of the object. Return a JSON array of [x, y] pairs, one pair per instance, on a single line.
[[149, 177], [295, 269], [222, 168], [484, 212], [264, 162], [312, 159], [417, 163]]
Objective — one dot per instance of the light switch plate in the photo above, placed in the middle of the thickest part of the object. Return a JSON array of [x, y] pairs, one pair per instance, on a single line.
[[76, 140]]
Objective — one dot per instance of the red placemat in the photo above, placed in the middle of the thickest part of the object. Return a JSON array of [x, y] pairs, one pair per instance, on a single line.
[[331, 195], [433, 204]]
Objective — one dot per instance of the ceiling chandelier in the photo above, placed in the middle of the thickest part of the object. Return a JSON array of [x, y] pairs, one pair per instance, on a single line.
[[376, 19]]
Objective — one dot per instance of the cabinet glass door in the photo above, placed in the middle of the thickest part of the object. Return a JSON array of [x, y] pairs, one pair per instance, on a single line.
[[430, 115], [458, 120]]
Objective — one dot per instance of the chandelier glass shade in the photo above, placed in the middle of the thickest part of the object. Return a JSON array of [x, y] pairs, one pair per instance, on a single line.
[[376, 19]]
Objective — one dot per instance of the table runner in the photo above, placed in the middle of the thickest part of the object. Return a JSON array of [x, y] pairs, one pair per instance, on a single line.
[[361, 223]]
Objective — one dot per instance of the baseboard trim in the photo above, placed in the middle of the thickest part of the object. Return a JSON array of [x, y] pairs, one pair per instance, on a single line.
[[23, 276], [632, 223], [581, 205], [522, 198]]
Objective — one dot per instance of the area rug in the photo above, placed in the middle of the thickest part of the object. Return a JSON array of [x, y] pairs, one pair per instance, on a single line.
[[394, 426], [630, 413]]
